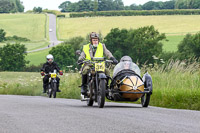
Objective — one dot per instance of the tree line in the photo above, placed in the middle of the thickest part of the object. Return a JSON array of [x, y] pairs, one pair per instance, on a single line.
[[143, 45], [11, 6], [108, 5]]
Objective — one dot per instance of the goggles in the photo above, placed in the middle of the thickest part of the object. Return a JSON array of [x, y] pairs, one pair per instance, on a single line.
[[94, 35]]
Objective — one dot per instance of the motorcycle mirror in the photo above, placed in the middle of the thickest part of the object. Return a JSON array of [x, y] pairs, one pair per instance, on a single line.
[[78, 52]]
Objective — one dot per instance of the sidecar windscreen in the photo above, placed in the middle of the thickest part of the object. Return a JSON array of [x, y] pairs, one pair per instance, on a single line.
[[126, 65]]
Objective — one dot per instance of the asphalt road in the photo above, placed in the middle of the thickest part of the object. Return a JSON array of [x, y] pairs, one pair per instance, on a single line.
[[27, 114], [52, 34]]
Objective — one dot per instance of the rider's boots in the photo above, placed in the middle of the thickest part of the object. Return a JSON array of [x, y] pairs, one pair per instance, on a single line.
[[84, 85], [44, 88], [58, 90]]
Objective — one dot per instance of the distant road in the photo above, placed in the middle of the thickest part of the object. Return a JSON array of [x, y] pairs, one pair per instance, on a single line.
[[28, 114], [52, 34]]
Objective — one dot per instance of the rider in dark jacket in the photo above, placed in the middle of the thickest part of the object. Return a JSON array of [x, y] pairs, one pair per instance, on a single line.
[[48, 67]]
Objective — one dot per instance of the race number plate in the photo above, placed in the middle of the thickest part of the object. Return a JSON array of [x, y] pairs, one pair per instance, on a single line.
[[53, 75], [100, 66]]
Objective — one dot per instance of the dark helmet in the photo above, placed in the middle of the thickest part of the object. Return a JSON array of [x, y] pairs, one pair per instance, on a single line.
[[126, 58], [93, 35]]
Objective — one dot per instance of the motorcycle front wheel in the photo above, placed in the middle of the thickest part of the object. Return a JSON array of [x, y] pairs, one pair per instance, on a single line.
[[49, 91], [54, 90], [101, 93]]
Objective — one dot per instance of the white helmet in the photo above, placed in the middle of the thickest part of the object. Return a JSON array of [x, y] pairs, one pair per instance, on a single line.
[[49, 56]]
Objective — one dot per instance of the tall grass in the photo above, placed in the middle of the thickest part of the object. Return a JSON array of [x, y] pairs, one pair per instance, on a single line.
[[30, 83], [175, 85]]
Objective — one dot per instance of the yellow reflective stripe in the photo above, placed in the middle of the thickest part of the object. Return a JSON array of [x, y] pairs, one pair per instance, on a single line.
[[86, 49], [99, 52]]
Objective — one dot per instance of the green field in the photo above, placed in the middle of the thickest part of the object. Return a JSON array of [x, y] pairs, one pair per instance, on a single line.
[[175, 88], [175, 26], [31, 26], [171, 25], [37, 58], [172, 42]]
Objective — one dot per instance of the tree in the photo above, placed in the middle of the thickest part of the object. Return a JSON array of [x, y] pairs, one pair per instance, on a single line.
[[95, 6], [144, 42], [12, 57], [115, 42], [37, 9], [169, 4], [189, 47], [19, 6], [151, 5], [135, 7], [76, 42], [65, 6], [11, 6], [140, 44], [2, 35], [64, 55], [118, 5]]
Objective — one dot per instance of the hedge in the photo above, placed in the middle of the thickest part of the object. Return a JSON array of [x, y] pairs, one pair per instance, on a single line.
[[137, 13]]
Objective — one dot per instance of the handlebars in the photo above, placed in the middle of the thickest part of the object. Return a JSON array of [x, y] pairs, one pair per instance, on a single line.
[[94, 61]]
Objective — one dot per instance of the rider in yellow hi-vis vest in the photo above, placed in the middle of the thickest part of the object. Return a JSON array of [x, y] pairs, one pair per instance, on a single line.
[[93, 49]]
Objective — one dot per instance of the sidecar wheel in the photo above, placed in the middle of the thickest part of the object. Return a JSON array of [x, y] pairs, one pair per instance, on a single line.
[[145, 99], [101, 93]]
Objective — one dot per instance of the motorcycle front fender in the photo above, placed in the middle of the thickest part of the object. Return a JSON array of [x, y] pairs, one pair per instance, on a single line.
[[102, 76]]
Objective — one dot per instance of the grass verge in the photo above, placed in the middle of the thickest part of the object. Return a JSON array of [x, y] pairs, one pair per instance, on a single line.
[[175, 86]]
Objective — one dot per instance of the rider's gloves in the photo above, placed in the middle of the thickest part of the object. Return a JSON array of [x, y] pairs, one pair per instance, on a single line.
[[114, 60], [42, 73], [80, 62], [61, 72]]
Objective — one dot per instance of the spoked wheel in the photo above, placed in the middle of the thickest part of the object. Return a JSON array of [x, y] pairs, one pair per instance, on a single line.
[[54, 90], [49, 91], [90, 100], [145, 99], [101, 93]]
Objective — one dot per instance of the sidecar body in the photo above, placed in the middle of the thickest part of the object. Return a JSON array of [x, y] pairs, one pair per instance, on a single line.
[[127, 83]]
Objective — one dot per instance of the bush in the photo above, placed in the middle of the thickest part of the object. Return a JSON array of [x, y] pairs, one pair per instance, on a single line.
[[137, 13], [76, 42], [33, 68], [2, 35], [140, 44], [64, 56], [16, 38], [61, 15], [12, 57], [189, 47]]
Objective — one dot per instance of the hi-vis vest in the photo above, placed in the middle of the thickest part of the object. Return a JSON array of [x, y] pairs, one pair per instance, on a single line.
[[99, 51]]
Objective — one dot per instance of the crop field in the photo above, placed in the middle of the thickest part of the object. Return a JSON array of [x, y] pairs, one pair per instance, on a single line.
[[31, 26], [175, 26], [171, 25], [172, 42]]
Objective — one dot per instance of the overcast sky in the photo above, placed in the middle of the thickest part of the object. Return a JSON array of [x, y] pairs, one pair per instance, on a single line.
[[53, 4]]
